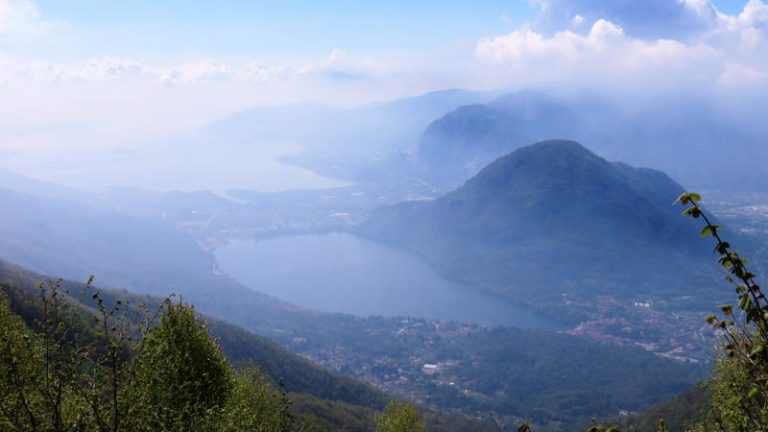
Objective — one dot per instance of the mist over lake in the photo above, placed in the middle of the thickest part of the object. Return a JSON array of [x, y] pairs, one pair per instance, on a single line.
[[340, 272]]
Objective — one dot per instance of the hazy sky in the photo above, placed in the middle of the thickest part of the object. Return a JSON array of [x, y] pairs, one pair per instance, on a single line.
[[90, 74]]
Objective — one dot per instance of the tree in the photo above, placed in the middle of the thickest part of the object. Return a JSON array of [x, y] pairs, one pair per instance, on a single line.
[[255, 406], [400, 417], [183, 382], [20, 358]]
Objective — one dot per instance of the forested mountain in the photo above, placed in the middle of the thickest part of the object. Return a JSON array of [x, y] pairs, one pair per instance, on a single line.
[[552, 224]]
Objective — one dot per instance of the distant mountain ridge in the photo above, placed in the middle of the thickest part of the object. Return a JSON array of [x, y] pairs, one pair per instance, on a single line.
[[658, 133], [471, 136], [553, 221]]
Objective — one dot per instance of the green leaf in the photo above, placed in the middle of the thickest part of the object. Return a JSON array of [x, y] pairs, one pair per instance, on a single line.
[[687, 197], [752, 392], [683, 198], [744, 302], [692, 211], [727, 309], [710, 230]]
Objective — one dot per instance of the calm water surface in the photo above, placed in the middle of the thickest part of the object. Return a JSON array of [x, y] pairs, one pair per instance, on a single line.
[[343, 273]]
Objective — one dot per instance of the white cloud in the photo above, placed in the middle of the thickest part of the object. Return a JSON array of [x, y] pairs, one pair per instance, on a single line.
[[21, 21], [605, 44], [727, 50], [193, 73], [738, 74], [702, 8], [565, 45], [651, 19], [340, 65]]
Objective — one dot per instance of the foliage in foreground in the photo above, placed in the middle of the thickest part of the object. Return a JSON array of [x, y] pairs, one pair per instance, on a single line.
[[126, 372], [740, 385], [400, 417]]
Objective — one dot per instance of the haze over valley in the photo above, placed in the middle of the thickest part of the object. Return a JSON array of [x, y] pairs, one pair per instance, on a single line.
[[476, 221]]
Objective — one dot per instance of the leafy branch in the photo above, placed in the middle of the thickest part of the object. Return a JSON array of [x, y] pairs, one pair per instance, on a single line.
[[746, 336]]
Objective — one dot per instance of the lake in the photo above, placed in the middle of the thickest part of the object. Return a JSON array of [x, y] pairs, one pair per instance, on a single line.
[[340, 272]]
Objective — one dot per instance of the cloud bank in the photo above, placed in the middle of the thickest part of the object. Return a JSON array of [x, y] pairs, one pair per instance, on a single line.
[[686, 43]]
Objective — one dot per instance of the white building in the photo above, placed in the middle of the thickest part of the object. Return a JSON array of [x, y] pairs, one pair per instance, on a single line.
[[429, 369]]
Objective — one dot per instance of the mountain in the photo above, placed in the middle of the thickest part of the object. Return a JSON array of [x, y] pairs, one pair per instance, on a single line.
[[315, 124], [553, 223], [463, 141], [660, 132], [347, 143]]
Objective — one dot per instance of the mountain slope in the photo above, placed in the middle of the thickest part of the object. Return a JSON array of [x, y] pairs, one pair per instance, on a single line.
[[560, 394], [460, 143], [328, 401], [552, 222], [659, 132], [678, 413], [241, 347]]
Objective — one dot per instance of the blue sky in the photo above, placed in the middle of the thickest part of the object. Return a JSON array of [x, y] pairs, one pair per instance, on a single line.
[[285, 27], [183, 29]]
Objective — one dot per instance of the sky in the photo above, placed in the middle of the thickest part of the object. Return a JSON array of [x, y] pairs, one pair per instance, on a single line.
[[82, 75]]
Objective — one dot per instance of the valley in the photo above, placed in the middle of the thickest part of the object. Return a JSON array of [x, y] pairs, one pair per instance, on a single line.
[[393, 282], [384, 216]]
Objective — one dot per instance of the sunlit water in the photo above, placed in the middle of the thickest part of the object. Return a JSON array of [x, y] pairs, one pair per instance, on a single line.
[[344, 273]]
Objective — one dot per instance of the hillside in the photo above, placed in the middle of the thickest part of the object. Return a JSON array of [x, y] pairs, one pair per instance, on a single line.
[[678, 412], [328, 401], [553, 223], [241, 347], [504, 361]]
